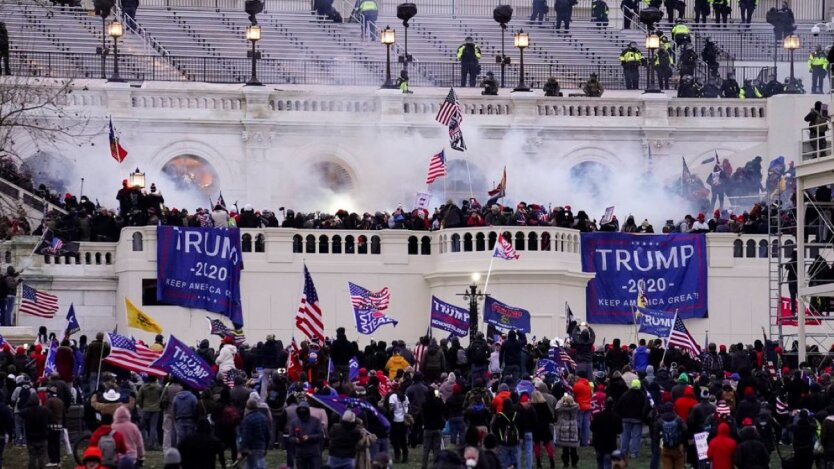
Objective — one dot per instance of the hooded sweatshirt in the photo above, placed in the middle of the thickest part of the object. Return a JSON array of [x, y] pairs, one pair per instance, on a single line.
[[130, 432], [685, 403], [226, 358], [722, 448]]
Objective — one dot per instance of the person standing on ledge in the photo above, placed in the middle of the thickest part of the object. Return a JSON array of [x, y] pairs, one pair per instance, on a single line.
[[469, 56]]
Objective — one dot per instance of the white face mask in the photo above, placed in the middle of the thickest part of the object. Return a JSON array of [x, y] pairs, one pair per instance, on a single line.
[[471, 462]]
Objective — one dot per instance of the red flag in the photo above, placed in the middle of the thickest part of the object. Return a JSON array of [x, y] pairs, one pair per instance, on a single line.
[[116, 151]]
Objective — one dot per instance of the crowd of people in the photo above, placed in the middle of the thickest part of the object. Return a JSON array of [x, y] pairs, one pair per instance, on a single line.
[[493, 403]]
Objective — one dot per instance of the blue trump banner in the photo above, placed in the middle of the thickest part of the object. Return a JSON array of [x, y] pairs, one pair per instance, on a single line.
[[50, 366], [450, 318], [504, 316], [72, 322], [655, 322], [180, 361], [200, 268], [339, 405], [671, 270]]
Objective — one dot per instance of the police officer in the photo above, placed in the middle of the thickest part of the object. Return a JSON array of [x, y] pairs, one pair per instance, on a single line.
[[599, 13], [630, 9], [721, 8], [751, 90], [593, 88], [687, 87], [631, 59], [368, 11], [746, 8], [730, 88], [710, 56], [680, 33], [402, 82], [664, 65], [702, 8], [551, 87], [539, 11], [489, 85], [469, 55], [688, 60], [818, 66], [773, 87]]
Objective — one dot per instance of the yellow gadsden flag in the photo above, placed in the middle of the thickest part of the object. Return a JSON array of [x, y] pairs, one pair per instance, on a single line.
[[140, 320]]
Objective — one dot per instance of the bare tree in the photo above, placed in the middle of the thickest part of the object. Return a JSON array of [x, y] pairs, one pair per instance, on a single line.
[[38, 111]]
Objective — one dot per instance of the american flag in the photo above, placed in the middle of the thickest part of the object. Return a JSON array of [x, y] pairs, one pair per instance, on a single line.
[[456, 135], [131, 355], [680, 337], [546, 367], [309, 319], [4, 345], [116, 151], [216, 327], [437, 167], [781, 407], [365, 299], [56, 245], [450, 108], [504, 249], [37, 303]]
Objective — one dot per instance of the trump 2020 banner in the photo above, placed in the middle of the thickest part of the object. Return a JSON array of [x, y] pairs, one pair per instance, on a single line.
[[671, 268], [450, 318], [200, 268], [504, 316], [655, 322], [180, 361]]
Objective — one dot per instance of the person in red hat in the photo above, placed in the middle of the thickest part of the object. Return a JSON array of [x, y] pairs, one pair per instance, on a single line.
[[722, 448], [700, 226]]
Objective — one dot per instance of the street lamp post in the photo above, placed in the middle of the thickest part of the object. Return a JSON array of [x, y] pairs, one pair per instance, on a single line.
[[388, 37], [253, 35], [474, 296], [137, 179], [522, 41], [791, 43], [116, 30], [652, 44], [406, 11]]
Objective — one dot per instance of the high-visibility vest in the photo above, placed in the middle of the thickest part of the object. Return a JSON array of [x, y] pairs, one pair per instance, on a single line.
[[463, 47], [368, 5], [815, 60], [631, 56], [680, 29]]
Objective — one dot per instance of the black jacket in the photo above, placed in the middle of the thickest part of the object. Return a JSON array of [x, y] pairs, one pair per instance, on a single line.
[[605, 427], [751, 453], [344, 436], [434, 413], [341, 351], [632, 405], [201, 450]]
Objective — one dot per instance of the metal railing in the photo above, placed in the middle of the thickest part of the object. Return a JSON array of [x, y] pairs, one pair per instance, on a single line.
[[323, 72]]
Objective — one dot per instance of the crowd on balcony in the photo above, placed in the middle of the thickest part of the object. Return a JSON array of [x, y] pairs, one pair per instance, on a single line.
[[499, 401]]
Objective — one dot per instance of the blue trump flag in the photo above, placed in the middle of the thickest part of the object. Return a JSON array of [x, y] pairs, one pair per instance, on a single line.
[[72, 322], [670, 268], [200, 268], [353, 369], [340, 404], [504, 316], [449, 318], [654, 322], [49, 366], [180, 361]]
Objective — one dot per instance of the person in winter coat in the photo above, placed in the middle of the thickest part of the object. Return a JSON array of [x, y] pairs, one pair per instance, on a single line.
[[106, 429], [434, 362], [134, 443], [605, 427], [722, 448], [631, 407], [185, 413], [564, 11], [827, 438], [751, 452], [434, 419], [671, 431], [201, 449], [254, 437], [344, 438], [226, 357], [148, 401], [395, 364], [615, 358], [685, 403], [804, 433], [582, 392], [541, 433], [567, 431], [506, 426]]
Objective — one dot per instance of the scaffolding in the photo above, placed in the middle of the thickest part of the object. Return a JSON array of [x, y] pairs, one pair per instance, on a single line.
[[800, 254]]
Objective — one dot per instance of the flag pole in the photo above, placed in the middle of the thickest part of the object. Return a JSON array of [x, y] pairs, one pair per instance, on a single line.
[[666, 349], [489, 272], [468, 175]]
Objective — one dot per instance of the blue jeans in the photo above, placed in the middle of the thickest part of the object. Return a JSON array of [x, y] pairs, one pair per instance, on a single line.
[[527, 448], [509, 456], [655, 461], [457, 428], [630, 439], [341, 463], [583, 421], [379, 446], [6, 309], [183, 428], [603, 461], [148, 424], [256, 459], [19, 430], [2, 449]]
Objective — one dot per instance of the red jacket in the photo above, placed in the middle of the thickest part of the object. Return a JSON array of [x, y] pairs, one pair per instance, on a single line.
[[722, 448], [685, 403], [582, 393], [498, 401], [121, 448]]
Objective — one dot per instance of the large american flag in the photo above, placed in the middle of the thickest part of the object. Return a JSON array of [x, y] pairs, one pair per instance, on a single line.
[[363, 298], [309, 318], [131, 355], [504, 249], [437, 167], [680, 337], [38, 303], [449, 108]]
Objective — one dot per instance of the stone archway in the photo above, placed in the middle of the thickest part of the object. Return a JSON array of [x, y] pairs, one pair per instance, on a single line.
[[192, 173]]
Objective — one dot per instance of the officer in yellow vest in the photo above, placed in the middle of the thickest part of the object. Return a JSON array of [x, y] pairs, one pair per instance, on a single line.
[[818, 66], [631, 58], [402, 82], [368, 11], [469, 55], [680, 32]]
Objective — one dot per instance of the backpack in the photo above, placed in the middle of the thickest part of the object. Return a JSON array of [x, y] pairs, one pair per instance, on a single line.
[[510, 436], [107, 446], [670, 433], [230, 417], [23, 397]]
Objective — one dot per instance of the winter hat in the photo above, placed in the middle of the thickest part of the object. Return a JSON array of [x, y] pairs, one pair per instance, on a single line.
[[635, 384], [683, 378], [701, 217], [747, 422], [716, 213], [92, 453], [503, 387], [705, 393], [722, 409], [349, 416], [749, 392], [172, 456]]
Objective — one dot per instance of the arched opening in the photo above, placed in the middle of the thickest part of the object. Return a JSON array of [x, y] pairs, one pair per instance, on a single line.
[[738, 248], [137, 243], [88, 258], [260, 243], [363, 244], [108, 258], [191, 173], [533, 242], [493, 237], [425, 246], [412, 246], [246, 243], [456, 184], [376, 247], [480, 242], [323, 245], [763, 249], [751, 249], [337, 244], [310, 247], [333, 176], [98, 258], [455, 243], [467, 242], [545, 241], [519, 241], [350, 248], [296, 244], [590, 177]]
